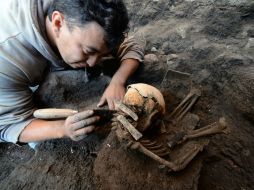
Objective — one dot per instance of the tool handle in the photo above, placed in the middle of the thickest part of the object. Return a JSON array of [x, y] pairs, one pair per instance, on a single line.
[[53, 113]]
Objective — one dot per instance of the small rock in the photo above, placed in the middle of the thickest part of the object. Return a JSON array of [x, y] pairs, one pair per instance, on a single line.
[[203, 75], [250, 43], [154, 49], [246, 152], [170, 62], [182, 32], [161, 167], [238, 145], [151, 58], [171, 57], [190, 121], [250, 32]]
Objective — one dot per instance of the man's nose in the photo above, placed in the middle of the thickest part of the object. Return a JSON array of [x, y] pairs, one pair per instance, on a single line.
[[92, 61]]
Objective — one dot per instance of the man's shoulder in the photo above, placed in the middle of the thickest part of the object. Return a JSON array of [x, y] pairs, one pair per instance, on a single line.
[[8, 27]]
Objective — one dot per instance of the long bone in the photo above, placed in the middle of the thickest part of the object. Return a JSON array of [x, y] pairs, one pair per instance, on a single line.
[[126, 110], [215, 128], [129, 127], [185, 105]]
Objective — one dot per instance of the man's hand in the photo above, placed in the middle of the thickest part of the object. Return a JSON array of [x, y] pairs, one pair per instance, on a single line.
[[115, 91], [75, 127], [79, 125]]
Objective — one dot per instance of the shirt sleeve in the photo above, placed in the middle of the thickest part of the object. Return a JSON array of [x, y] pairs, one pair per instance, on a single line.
[[131, 48], [16, 106]]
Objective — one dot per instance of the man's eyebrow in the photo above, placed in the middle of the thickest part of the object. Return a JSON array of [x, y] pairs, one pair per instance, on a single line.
[[93, 49]]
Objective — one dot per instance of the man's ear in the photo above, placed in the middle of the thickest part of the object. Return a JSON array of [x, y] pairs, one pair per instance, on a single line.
[[57, 22]]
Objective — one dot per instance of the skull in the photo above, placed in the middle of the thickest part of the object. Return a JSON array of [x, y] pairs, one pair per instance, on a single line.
[[143, 106], [141, 94]]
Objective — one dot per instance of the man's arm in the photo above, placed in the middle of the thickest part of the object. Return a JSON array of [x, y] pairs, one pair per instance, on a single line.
[[127, 68], [39, 130], [116, 89], [18, 125], [130, 54], [75, 127]]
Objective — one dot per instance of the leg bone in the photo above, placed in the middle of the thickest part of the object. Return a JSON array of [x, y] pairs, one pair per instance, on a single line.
[[186, 104], [215, 128], [220, 127], [185, 160]]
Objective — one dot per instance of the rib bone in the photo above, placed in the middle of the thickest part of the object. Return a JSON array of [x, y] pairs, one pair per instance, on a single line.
[[155, 147], [174, 166]]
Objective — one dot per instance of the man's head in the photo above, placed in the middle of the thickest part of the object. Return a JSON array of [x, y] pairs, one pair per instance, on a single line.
[[85, 30]]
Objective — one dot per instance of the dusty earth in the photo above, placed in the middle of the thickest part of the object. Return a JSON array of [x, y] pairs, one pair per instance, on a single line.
[[214, 42]]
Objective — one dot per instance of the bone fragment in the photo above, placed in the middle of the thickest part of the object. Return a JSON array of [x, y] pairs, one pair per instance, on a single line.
[[149, 120], [163, 127], [126, 110], [130, 128]]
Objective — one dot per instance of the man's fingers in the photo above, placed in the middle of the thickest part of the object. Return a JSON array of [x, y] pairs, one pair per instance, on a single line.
[[101, 102], [80, 116], [85, 122], [111, 104], [82, 133], [78, 138]]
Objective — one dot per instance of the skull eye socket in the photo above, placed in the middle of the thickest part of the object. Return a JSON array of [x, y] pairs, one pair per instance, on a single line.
[[154, 99]]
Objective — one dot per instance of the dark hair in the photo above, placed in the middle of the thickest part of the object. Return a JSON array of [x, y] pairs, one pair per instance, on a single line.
[[111, 15]]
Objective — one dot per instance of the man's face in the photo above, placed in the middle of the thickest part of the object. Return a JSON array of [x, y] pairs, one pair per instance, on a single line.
[[81, 46]]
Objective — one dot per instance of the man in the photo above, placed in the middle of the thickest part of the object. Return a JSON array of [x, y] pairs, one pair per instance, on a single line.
[[37, 34]]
